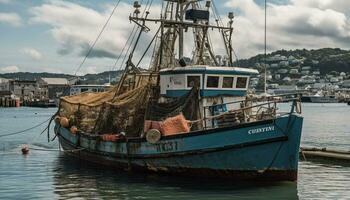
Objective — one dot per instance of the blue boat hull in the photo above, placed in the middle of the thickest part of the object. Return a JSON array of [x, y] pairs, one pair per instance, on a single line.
[[266, 150]]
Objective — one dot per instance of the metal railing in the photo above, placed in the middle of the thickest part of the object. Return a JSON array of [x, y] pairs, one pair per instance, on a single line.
[[250, 109]]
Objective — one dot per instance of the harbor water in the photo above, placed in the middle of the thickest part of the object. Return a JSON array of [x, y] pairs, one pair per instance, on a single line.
[[49, 174]]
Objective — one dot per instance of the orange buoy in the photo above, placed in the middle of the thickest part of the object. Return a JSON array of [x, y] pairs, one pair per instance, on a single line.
[[25, 150], [64, 122], [74, 129]]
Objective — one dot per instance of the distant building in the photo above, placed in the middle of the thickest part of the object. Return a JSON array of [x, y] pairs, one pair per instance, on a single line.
[[53, 88], [346, 84], [24, 89], [305, 72], [319, 86], [315, 62], [282, 71], [334, 80], [316, 73], [268, 77], [277, 76], [294, 71], [284, 64], [274, 65], [287, 79], [273, 86], [277, 58], [4, 84], [306, 68], [307, 80]]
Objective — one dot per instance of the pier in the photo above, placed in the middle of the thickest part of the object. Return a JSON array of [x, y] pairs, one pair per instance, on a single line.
[[324, 153], [9, 102]]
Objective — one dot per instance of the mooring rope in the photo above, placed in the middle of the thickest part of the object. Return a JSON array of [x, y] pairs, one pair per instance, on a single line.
[[40, 149], [25, 130], [97, 38]]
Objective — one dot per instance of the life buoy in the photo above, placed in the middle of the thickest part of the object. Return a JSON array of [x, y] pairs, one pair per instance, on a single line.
[[153, 136]]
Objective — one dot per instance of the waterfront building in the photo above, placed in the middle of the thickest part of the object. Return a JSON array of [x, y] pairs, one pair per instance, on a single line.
[[24, 89], [4, 84], [53, 88]]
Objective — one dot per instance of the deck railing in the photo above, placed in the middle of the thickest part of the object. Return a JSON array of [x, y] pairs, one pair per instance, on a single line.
[[250, 109]]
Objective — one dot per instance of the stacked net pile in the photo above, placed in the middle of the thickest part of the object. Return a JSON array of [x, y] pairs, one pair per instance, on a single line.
[[103, 113], [188, 105]]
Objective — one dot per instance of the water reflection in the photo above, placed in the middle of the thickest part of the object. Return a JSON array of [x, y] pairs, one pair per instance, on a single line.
[[73, 178]]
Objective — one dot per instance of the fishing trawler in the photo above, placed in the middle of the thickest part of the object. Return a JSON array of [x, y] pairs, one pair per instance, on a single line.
[[191, 117]]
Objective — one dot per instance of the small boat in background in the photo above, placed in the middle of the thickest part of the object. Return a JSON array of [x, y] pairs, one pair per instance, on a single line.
[[320, 97]]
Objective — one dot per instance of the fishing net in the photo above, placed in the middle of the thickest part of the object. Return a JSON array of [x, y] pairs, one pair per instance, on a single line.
[[103, 113], [188, 105]]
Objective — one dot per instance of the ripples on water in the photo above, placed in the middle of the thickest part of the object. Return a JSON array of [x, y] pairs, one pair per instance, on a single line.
[[51, 175]]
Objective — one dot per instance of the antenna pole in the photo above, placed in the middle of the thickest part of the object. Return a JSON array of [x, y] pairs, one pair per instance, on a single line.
[[265, 52], [181, 33]]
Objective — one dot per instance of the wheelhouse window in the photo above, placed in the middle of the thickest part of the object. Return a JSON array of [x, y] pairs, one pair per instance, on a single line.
[[227, 82], [241, 82], [212, 82], [193, 81]]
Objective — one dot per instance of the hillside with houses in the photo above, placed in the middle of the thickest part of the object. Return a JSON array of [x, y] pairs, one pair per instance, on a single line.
[[322, 68], [286, 71]]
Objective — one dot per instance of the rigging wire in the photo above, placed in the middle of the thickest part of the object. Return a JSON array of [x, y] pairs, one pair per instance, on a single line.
[[25, 130], [216, 13], [150, 44], [133, 36], [97, 38], [128, 50], [126, 44]]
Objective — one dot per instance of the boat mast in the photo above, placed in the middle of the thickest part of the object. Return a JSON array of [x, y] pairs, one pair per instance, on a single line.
[[176, 17]]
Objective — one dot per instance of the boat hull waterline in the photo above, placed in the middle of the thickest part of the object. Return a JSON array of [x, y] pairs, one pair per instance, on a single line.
[[264, 150]]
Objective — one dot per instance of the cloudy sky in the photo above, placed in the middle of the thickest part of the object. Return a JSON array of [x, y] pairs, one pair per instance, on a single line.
[[54, 36]]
